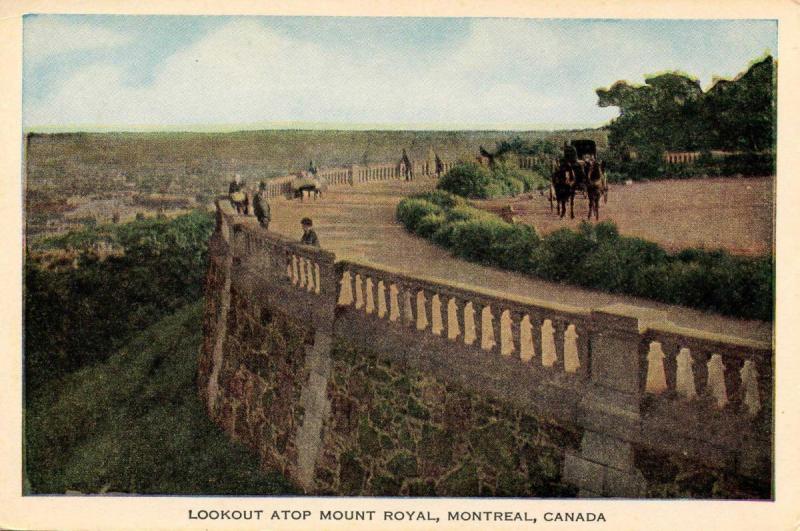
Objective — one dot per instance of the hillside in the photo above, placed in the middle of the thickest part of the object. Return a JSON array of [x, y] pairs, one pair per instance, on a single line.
[[134, 424]]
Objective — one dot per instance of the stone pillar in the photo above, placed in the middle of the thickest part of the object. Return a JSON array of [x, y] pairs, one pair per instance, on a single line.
[[609, 411]]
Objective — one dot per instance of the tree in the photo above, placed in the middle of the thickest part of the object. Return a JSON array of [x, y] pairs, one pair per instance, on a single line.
[[671, 112]]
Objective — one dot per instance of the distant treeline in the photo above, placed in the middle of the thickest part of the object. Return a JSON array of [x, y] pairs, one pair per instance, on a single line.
[[78, 314], [597, 257], [670, 112]]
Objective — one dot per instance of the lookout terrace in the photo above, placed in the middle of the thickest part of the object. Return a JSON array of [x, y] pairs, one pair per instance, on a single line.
[[355, 378]]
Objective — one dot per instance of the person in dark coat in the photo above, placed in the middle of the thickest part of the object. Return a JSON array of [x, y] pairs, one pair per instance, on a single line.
[[261, 206], [309, 236]]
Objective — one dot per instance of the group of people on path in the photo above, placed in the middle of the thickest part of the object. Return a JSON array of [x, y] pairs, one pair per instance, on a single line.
[[261, 209]]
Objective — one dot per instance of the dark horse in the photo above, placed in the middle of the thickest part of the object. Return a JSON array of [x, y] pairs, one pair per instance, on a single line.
[[596, 186], [562, 185]]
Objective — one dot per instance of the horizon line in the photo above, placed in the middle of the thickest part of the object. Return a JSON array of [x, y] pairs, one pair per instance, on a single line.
[[307, 126]]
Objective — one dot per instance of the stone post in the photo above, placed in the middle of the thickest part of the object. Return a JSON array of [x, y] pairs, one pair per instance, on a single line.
[[609, 411]]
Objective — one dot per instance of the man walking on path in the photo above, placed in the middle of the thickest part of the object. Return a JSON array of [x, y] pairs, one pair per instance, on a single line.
[[261, 206]]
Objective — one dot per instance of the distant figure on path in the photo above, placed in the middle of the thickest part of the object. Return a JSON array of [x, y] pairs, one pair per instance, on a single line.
[[309, 236], [439, 166], [261, 206], [238, 195], [406, 168]]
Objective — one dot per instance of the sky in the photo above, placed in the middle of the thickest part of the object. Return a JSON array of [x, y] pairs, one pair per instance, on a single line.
[[103, 72]]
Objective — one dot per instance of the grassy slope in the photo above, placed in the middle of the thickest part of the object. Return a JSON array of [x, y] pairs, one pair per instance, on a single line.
[[135, 424]]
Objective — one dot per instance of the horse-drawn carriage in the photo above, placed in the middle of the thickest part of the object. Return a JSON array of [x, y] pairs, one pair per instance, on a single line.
[[578, 171]]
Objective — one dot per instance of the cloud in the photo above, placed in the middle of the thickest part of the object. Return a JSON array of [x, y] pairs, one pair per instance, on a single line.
[[46, 36], [245, 72]]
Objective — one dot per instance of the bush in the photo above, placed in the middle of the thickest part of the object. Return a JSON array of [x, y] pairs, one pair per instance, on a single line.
[[478, 239], [598, 257], [442, 199], [467, 179], [411, 211], [560, 255], [429, 224]]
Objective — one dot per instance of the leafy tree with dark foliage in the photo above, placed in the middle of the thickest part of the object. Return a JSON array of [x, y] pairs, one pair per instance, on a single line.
[[670, 112]]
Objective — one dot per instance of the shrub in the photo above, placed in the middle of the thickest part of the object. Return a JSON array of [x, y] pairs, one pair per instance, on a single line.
[[560, 255], [477, 239], [442, 198], [467, 179], [598, 257], [429, 224], [411, 211], [514, 247]]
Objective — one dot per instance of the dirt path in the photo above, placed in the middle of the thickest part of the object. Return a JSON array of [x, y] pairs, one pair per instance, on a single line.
[[733, 214], [359, 223]]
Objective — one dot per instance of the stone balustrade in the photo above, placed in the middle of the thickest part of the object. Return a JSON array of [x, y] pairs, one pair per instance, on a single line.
[[542, 335], [681, 157], [685, 365], [358, 174], [621, 377]]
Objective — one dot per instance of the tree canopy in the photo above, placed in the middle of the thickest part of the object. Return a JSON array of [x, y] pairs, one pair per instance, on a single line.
[[671, 112]]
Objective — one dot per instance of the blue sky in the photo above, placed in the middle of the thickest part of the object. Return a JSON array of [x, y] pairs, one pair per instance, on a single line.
[[182, 72]]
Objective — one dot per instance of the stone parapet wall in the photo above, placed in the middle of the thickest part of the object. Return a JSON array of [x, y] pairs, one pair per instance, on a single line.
[[617, 379]]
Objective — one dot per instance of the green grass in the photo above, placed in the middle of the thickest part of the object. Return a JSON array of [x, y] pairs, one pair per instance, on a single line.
[[135, 424]]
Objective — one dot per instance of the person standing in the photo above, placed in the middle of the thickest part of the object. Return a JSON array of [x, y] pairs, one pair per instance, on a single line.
[[261, 206], [309, 236], [237, 194]]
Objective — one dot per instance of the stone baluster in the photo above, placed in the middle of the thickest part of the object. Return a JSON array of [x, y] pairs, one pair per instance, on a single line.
[[369, 303], [455, 319], [572, 362], [582, 344], [424, 313], [383, 309], [302, 269], [715, 385], [312, 280], [358, 292], [653, 364], [395, 303], [436, 314], [346, 294]]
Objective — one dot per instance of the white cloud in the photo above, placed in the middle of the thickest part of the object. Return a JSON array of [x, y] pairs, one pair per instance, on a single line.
[[46, 36], [503, 71]]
